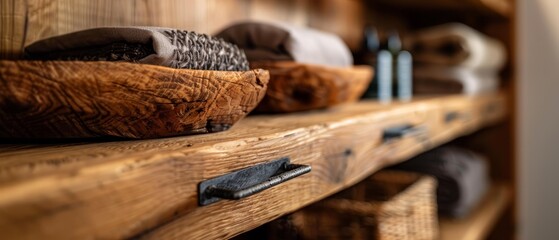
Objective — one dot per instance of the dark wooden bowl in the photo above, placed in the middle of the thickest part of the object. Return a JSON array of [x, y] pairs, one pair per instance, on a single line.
[[72, 99], [298, 87]]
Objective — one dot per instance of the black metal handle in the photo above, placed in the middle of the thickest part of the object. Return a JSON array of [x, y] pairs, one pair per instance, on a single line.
[[249, 181], [397, 131], [451, 116], [294, 170]]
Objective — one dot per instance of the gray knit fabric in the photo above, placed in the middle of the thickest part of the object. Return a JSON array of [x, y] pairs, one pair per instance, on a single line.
[[148, 45]]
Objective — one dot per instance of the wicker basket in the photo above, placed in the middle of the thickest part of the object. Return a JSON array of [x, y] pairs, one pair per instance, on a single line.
[[388, 205]]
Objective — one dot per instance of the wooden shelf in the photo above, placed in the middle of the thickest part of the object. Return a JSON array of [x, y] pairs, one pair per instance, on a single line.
[[148, 188], [480, 222]]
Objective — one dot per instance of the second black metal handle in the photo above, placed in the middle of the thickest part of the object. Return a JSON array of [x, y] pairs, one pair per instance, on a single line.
[[452, 116], [292, 171], [398, 131]]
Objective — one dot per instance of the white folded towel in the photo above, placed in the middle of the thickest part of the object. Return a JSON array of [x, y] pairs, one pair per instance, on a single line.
[[456, 44]]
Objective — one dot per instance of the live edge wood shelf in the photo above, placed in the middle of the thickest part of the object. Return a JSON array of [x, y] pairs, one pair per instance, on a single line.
[[148, 188]]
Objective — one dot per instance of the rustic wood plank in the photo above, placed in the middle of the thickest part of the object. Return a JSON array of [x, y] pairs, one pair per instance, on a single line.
[[480, 222], [24, 22], [331, 175], [290, 11], [12, 28], [222, 13], [53, 17], [298, 87], [342, 17], [128, 188], [72, 99]]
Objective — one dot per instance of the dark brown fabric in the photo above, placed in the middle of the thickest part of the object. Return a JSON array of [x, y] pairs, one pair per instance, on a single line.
[[259, 41], [148, 45], [462, 177], [130, 52]]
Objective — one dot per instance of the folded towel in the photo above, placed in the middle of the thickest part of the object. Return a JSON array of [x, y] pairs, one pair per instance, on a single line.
[[456, 44], [462, 177], [280, 41], [148, 45], [451, 80]]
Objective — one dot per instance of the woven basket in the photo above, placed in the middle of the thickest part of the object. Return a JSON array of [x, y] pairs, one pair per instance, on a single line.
[[388, 205]]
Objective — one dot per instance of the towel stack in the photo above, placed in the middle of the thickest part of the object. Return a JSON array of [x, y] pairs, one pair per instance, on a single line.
[[455, 58], [462, 177], [276, 41]]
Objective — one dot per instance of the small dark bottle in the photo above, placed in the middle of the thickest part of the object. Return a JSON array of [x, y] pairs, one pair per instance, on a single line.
[[381, 59]]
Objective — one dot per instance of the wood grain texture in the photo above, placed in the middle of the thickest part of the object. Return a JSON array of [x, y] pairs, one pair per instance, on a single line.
[[223, 13], [128, 188], [481, 220], [63, 99], [290, 11], [335, 175], [12, 28], [24, 22], [298, 87], [48, 18], [345, 18], [504, 8]]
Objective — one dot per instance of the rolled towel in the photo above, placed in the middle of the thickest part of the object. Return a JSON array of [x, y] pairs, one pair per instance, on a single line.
[[280, 41], [149, 45], [451, 80], [456, 44], [462, 177]]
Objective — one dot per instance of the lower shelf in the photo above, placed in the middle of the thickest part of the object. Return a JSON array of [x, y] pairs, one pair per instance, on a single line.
[[480, 222]]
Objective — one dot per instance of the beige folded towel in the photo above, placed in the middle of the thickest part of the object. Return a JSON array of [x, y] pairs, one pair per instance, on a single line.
[[148, 45], [280, 41], [448, 80], [456, 44]]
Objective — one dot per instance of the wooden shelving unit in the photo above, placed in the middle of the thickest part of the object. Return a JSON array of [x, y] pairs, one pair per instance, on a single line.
[[73, 190], [479, 223], [148, 189], [496, 19]]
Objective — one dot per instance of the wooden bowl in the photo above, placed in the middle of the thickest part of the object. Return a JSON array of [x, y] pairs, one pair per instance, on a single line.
[[298, 87], [73, 99]]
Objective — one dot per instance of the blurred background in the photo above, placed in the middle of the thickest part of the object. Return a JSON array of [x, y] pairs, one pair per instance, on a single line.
[[538, 55]]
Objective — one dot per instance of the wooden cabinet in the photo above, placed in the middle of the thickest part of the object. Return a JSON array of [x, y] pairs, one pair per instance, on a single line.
[[148, 188]]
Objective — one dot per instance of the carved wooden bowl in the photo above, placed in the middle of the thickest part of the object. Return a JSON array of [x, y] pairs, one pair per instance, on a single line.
[[298, 87], [72, 99]]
